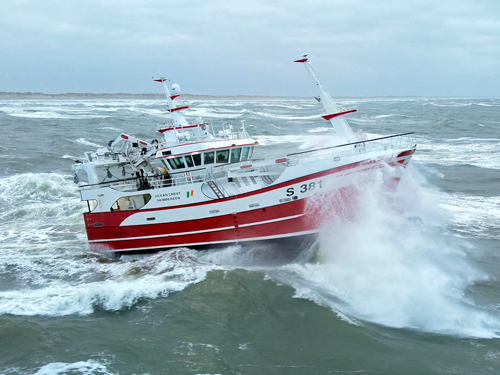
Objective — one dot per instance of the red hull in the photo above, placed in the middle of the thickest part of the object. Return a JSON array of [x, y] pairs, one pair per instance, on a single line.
[[297, 218], [294, 219]]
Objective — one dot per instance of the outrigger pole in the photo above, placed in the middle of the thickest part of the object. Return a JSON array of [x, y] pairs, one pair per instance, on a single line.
[[333, 110]]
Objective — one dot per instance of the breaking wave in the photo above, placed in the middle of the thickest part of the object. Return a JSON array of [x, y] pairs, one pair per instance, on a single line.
[[451, 104], [207, 114], [120, 285], [394, 266], [49, 112], [474, 151], [45, 264], [476, 215], [284, 117], [84, 142], [81, 367]]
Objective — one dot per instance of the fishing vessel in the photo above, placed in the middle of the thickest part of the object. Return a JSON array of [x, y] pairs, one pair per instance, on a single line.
[[193, 187]]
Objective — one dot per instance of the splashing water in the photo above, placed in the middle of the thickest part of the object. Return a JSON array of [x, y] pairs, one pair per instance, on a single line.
[[386, 261], [82, 367], [116, 286], [45, 267], [393, 265]]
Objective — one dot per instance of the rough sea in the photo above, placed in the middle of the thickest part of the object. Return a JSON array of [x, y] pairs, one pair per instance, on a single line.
[[409, 285]]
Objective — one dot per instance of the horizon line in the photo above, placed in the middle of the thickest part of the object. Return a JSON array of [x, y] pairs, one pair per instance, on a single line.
[[34, 94]]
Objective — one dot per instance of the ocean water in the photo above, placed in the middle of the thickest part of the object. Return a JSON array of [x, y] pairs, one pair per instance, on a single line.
[[408, 285]]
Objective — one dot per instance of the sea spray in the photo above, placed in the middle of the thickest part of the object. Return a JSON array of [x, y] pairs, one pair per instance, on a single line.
[[258, 257], [392, 265], [37, 208]]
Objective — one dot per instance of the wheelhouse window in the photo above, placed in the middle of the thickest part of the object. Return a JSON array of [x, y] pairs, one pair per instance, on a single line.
[[82, 176], [196, 159], [244, 153], [208, 157], [189, 161], [222, 156], [176, 163], [235, 155]]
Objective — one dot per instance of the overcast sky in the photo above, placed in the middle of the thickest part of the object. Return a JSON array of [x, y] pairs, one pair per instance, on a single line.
[[229, 47]]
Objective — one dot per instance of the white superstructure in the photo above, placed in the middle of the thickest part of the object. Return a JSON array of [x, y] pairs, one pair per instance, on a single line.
[[190, 187]]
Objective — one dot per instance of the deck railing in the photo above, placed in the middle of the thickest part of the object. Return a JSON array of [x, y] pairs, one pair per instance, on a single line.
[[258, 166], [153, 182], [399, 141]]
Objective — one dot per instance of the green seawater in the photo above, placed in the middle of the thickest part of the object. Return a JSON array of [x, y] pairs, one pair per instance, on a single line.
[[408, 286]]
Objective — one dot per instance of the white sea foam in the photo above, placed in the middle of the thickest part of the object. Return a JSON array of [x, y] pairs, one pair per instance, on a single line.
[[389, 115], [83, 141], [207, 114], [72, 157], [320, 130], [31, 187], [475, 215], [487, 104], [362, 120], [217, 103], [157, 112], [392, 265], [89, 367], [375, 269], [473, 151], [284, 117], [451, 104], [59, 112], [39, 222], [123, 285], [287, 106], [189, 348]]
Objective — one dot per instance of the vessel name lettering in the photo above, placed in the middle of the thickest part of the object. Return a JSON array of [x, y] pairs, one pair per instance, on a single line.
[[167, 194], [167, 199], [304, 188]]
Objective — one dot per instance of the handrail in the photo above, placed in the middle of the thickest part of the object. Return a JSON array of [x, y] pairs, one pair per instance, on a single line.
[[222, 167], [352, 143], [204, 174], [177, 179], [191, 170], [294, 158], [113, 181]]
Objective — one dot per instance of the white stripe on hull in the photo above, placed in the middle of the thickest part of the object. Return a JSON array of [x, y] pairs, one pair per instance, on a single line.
[[287, 235], [198, 231]]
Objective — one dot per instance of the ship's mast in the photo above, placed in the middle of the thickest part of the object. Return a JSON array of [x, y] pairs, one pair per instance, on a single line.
[[333, 111], [178, 119], [177, 116]]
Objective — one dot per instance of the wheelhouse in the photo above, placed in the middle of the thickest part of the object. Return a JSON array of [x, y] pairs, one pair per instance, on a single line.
[[209, 157]]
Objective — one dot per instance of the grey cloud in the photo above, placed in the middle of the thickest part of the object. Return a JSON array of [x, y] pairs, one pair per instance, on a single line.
[[384, 47]]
